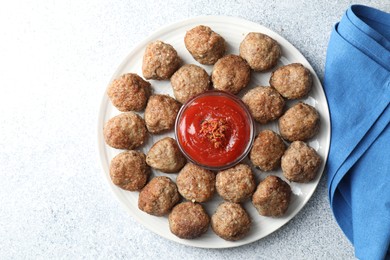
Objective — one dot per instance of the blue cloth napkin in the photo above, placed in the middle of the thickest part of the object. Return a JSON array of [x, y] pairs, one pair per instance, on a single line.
[[357, 86]]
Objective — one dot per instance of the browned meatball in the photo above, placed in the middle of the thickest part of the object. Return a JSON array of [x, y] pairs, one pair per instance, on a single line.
[[292, 81], [204, 44], [166, 156], [160, 61], [265, 104], [301, 122], [300, 163], [272, 197], [231, 73], [236, 184], [267, 150], [188, 220], [189, 81], [260, 51], [129, 92], [129, 170], [158, 196], [125, 131], [195, 183], [230, 221], [160, 113]]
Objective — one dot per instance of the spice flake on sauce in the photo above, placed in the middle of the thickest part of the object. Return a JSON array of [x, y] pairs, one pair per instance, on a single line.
[[215, 130]]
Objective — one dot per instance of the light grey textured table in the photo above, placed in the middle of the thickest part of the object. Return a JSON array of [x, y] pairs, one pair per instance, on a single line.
[[56, 58]]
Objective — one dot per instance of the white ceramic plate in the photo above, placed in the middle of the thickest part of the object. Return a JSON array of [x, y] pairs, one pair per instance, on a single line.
[[234, 31]]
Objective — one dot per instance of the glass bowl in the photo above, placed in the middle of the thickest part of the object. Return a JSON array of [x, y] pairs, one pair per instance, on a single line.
[[214, 130]]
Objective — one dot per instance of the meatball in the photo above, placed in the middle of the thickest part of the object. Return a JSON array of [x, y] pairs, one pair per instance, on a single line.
[[272, 197], [129, 92], [189, 81], [160, 61], [195, 183], [204, 44], [129, 171], [300, 163], [267, 150], [300, 123], [236, 184], [230, 221], [166, 156], [260, 51], [264, 103], [231, 73], [188, 220], [160, 113], [125, 131], [292, 81], [158, 196]]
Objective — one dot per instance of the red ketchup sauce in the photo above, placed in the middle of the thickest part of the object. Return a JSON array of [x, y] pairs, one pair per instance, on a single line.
[[214, 130]]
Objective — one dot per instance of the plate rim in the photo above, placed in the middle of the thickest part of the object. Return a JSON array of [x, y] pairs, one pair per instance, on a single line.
[[182, 23]]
